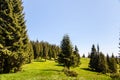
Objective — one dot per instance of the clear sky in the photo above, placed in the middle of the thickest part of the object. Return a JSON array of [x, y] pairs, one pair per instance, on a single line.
[[87, 22]]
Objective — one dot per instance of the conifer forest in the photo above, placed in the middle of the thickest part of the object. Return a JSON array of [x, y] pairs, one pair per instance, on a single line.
[[24, 59]]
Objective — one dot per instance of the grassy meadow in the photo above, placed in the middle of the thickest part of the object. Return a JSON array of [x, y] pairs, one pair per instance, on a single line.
[[50, 70]]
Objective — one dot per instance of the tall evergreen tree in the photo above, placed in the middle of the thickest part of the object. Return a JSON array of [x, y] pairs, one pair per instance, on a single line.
[[108, 63], [45, 52], [13, 35], [93, 58], [50, 53], [98, 60], [113, 55], [112, 64], [102, 63], [98, 49], [36, 49], [76, 57], [66, 52]]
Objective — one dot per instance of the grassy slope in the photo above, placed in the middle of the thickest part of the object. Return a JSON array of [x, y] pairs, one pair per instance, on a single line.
[[50, 71]]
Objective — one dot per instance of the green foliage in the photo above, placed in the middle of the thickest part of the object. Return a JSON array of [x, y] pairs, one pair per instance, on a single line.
[[76, 57], [70, 73], [68, 57], [44, 50], [13, 36], [112, 64], [115, 76], [10, 62], [102, 64], [93, 58], [117, 60], [98, 60], [65, 57], [30, 52]]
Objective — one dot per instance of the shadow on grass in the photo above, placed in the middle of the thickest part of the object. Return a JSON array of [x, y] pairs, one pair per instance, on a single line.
[[87, 69], [52, 70], [59, 65], [39, 61]]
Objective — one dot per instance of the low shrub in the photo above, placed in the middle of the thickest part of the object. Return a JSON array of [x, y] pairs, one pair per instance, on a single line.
[[70, 73], [115, 76]]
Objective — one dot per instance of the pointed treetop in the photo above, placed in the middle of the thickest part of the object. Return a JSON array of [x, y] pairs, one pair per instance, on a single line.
[[76, 49], [113, 55], [98, 49], [93, 48]]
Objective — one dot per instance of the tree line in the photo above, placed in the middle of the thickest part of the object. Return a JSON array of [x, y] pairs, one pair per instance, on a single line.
[[45, 50]]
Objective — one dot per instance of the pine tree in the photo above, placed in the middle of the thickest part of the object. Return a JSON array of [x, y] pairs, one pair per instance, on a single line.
[[50, 53], [117, 59], [108, 63], [13, 36], [113, 67], [45, 51], [113, 55], [93, 58], [66, 52], [112, 64], [36, 50], [98, 60], [76, 57], [102, 63], [41, 49]]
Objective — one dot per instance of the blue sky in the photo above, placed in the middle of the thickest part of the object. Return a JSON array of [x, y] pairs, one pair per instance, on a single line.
[[87, 22]]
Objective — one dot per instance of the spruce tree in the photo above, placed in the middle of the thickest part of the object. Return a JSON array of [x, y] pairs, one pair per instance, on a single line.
[[108, 63], [112, 64], [65, 57], [93, 58], [45, 52], [13, 36], [113, 55], [36, 50], [76, 57], [102, 63], [50, 53]]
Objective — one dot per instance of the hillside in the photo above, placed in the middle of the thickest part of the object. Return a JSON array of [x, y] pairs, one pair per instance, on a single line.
[[51, 71]]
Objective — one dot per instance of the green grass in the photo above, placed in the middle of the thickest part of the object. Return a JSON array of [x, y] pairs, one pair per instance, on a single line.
[[51, 71]]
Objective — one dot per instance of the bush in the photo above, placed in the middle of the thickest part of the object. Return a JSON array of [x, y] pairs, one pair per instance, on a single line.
[[115, 76], [70, 73]]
